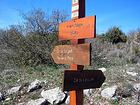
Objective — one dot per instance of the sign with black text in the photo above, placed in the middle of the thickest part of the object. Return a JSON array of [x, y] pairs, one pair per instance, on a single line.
[[84, 79]]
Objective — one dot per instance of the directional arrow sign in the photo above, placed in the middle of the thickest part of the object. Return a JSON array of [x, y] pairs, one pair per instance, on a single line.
[[72, 54], [78, 29], [84, 79]]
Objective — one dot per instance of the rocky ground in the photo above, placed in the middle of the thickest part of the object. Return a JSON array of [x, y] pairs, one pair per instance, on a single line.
[[43, 86]]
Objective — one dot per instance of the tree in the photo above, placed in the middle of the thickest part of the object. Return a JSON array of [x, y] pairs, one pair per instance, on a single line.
[[37, 21], [12, 43], [57, 17], [115, 35], [32, 42], [41, 35]]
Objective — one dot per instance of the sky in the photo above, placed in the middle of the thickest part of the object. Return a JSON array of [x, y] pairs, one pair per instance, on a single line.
[[122, 13]]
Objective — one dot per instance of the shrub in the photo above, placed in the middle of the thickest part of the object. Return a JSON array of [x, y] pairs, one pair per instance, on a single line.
[[31, 44], [115, 35], [98, 52], [133, 50]]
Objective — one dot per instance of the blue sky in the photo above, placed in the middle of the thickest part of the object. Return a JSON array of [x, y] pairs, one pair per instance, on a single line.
[[122, 13]]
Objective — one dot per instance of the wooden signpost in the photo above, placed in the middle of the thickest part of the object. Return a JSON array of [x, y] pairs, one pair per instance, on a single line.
[[72, 54], [77, 54]]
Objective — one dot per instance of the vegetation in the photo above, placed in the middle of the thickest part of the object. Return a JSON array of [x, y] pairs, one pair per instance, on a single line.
[[115, 35], [30, 44], [25, 53]]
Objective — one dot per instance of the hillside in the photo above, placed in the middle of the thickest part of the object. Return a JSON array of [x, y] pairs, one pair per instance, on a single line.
[[29, 75]]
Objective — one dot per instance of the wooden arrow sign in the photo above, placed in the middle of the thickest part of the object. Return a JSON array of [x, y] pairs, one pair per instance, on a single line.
[[84, 79], [78, 29], [72, 54]]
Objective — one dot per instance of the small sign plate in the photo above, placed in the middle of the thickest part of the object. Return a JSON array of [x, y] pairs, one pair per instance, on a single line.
[[72, 54], [84, 79], [78, 28]]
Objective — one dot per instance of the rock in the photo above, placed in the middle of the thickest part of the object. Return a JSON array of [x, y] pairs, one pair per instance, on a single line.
[[1, 96], [109, 92], [102, 69], [67, 100], [18, 80], [132, 73], [8, 99], [34, 86], [136, 92], [136, 87], [54, 96], [13, 90], [136, 59], [124, 92], [40, 101], [21, 104], [91, 102], [88, 92]]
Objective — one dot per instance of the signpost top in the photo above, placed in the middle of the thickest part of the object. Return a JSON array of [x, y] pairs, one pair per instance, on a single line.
[[74, 1]]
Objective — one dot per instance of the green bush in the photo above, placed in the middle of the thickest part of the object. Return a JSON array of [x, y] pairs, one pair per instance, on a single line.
[[115, 35]]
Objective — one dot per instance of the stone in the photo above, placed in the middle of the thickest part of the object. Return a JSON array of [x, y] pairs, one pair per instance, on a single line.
[[40, 101], [13, 90], [124, 92], [8, 99], [136, 87], [67, 100], [102, 69], [109, 92], [1, 96], [132, 73], [21, 103], [88, 92], [34, 86], [54, 96]]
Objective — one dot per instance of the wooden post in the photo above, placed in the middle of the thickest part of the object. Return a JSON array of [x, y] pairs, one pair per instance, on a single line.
[[78, 11]]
